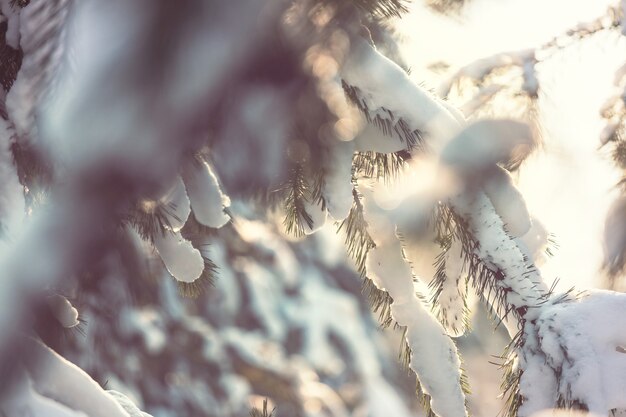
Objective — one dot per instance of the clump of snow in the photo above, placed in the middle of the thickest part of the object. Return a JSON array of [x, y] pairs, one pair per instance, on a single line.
[[63, 311], [62, 381], [25, 401], [434, 357], [485, 143], [178, 205], [384, 84], [207, 199], [181, 259]]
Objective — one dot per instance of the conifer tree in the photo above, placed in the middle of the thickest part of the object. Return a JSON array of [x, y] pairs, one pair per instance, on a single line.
[[172, 141]]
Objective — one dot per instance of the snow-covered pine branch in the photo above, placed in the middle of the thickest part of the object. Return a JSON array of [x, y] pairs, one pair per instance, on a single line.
[[434, 357]]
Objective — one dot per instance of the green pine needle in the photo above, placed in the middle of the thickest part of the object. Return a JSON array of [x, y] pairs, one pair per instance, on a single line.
[[358, 240], [297, 194], [380, 165], [388, 122], [202, 283]]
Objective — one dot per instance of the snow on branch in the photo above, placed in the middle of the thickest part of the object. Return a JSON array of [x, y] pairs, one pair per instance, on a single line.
[[433, 355]]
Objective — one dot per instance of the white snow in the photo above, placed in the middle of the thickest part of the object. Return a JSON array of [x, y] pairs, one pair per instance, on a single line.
[[507, 201], [181, 259], [496, 247], [451, 300], [127, 404], [384, 84], [60, 380], [434, 357], [207, 199], [25, 401], [485, 143], [178, 205], [63, 311]]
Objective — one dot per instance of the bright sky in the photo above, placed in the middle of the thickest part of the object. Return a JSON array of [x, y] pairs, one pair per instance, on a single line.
[[568, 185]]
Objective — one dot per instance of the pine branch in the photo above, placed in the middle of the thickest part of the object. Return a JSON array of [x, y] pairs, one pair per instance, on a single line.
[[298, 193], [203, 282], [380, 165], [358, 240], [390, 124], [150, 218], [10, 60], [487, 280], [423, 398], [437, 287]]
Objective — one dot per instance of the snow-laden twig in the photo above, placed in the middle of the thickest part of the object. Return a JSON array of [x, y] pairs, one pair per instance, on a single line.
[[434, 357], [41, 28], [64, 382]]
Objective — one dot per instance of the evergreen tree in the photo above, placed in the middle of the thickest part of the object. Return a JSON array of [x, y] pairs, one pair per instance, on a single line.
[[179, 139]]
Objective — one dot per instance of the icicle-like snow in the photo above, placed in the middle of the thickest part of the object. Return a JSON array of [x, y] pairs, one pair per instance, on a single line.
[[178, 205], [434, 357], [337, 189], [451, 301], [181, 259], [63, 311], [62, 381], [207, 200]]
